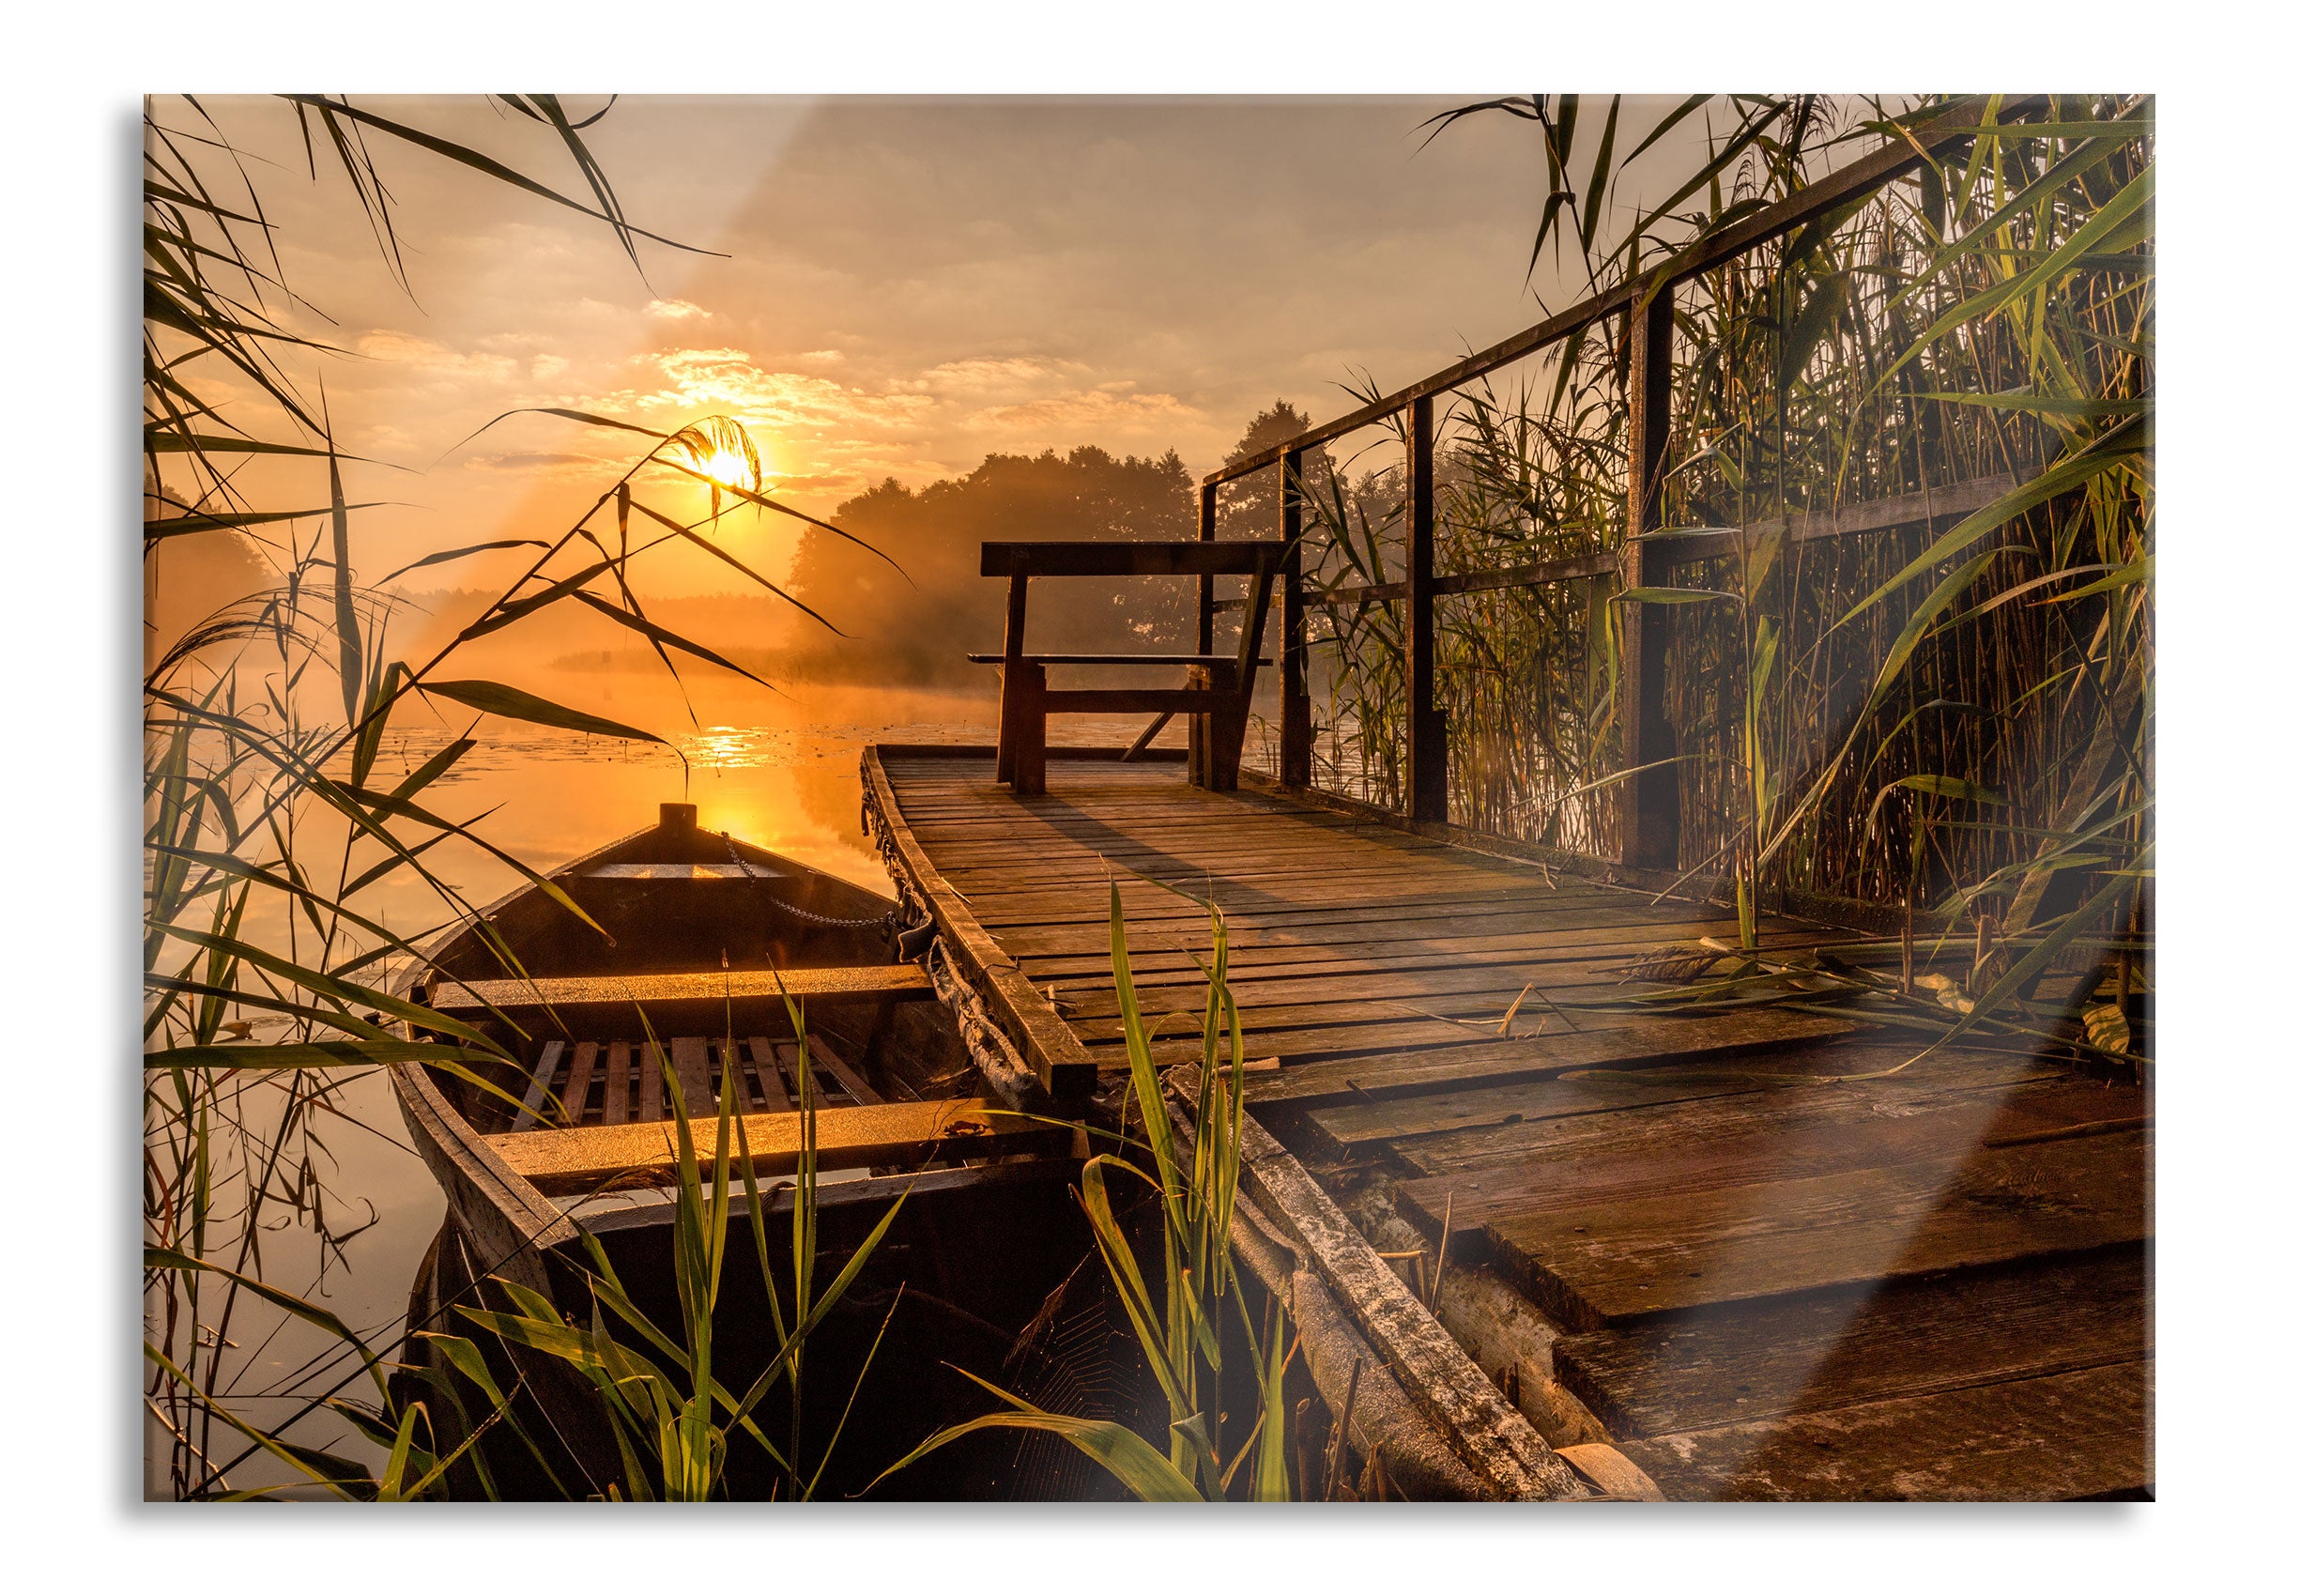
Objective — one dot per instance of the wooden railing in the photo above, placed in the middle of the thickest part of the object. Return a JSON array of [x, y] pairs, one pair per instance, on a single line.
[[1648, 824]]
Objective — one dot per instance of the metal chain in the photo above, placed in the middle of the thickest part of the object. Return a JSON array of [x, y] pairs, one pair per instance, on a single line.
[[885, 921]]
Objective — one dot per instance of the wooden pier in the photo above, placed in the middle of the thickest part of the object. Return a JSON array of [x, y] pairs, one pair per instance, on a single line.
[[1757, 1265]]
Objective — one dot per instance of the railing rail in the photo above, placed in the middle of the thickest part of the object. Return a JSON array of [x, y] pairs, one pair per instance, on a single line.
[[1646, 556]]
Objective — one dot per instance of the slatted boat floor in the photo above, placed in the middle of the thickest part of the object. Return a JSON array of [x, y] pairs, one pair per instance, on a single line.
[[1783, 1267], [629, 1082]]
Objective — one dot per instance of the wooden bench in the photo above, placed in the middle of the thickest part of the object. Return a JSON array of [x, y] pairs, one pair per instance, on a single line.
[[1217, 693]]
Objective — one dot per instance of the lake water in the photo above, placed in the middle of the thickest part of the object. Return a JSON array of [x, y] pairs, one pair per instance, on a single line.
[[786, 776]]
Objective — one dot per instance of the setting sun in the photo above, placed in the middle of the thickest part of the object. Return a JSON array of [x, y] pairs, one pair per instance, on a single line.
[[724, 451], [729, 469]]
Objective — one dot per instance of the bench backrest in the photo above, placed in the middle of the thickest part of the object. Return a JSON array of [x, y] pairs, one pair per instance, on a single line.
[[1114, 558]]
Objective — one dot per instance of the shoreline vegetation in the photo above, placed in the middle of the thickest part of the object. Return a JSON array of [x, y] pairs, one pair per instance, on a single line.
[[1950, 721]]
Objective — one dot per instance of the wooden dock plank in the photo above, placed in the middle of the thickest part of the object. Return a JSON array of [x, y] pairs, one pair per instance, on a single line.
[[1391, 1073], [1737, 1132], [1845, 1252], [1590, 1266], [1805, 1354], [2084, 1434]]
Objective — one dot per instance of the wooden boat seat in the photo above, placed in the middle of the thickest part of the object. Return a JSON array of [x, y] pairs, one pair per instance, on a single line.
[[861, 1136], [900, 983], [1220, 687], [626, 1083]]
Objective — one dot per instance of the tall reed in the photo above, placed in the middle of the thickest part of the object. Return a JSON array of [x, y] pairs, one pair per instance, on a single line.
[[272, 833], [1956, 717], [1214, 1445]]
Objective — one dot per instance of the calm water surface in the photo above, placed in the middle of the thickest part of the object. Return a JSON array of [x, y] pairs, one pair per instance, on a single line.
[[782, 773]]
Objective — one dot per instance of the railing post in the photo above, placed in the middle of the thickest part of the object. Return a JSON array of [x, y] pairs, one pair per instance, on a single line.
[[1425, 747], [1200, 748], [1293, 631], [1649, 798]]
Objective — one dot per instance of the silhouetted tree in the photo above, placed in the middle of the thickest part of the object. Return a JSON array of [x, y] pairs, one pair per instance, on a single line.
[[1249, 506], [922, 633]]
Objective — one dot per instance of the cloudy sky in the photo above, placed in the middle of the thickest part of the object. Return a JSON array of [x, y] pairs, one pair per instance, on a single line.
[[900, 287]]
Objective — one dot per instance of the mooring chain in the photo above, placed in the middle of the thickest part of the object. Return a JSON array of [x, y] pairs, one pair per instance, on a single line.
[[885, 922]]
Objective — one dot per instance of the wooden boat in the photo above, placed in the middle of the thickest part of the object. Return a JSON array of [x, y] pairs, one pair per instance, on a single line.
[[710, 944]]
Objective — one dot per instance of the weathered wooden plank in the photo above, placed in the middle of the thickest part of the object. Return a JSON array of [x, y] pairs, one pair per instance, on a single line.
[[1382, 1075], [617, 1102], [650, 1104], [726, 871], [691, 1063], [1157, 964], [576, 1099], [1343, 1128], [2084, 1434], [901, 981], [1113, 557], [846, 1138], [1516, 1161], [1804, 1353], [1472, 990], [826, 1053], [1065, 1068], [539, 1084], [776, 1095], [1607, 1262], [806, 1073], [1429, 1364]]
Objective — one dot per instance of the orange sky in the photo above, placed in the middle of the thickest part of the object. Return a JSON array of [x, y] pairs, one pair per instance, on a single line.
[[907, 286]]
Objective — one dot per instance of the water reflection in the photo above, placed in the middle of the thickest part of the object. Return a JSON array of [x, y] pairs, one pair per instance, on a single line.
[[783, 773]]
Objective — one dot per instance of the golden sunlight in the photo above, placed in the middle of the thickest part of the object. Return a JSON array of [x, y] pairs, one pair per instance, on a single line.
[[724, 451], [726, 467]]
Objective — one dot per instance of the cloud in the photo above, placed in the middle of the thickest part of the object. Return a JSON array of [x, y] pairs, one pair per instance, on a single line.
[[558, 463], [983, 373], [405, 349], [1099, 409], [676, 310], [791, 402]]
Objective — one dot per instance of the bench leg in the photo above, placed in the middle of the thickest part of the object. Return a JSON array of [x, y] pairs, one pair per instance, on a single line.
[[1201, 761], [1005, 722], [1226, 735], [1027, 697]]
